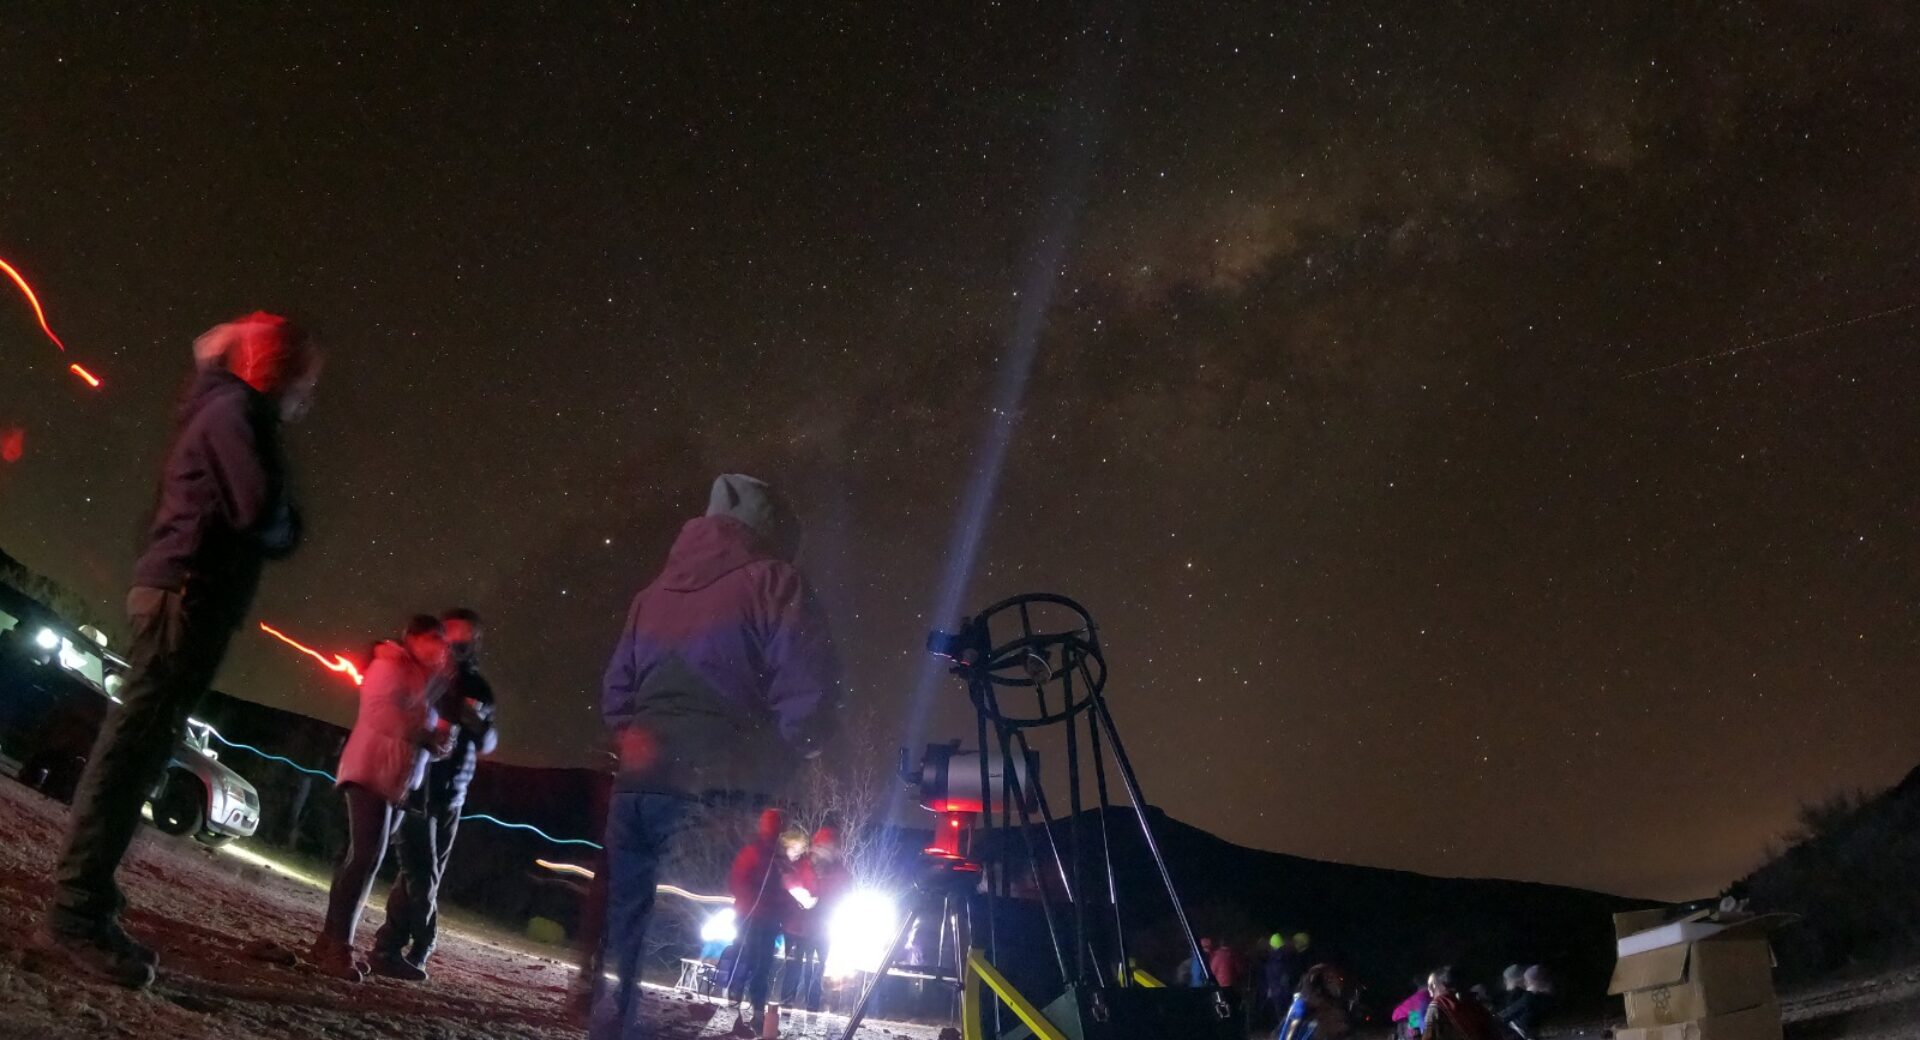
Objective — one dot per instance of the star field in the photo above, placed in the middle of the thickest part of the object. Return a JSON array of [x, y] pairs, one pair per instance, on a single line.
[[1334, 421]]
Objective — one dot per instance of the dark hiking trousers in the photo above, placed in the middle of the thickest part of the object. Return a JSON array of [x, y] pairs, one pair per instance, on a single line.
[[413, 904], [178, 641], [800, 980], [371, 821], [753, 971], [640, 829]]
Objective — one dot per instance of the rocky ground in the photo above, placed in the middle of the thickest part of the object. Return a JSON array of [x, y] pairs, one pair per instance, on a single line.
[[218, 921]]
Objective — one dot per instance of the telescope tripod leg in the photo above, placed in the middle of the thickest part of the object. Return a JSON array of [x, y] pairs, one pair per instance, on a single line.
[[859, 1012]]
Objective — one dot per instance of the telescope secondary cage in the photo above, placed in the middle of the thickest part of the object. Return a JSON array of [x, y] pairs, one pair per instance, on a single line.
[[1048, 671]]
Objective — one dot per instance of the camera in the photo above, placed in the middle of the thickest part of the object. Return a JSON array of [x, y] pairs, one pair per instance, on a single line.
[[967, 646]]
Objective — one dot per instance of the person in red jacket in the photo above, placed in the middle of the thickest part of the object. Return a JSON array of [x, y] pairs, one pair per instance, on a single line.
[[724, 681], [824, 876], [1225, 964], [762, 905]]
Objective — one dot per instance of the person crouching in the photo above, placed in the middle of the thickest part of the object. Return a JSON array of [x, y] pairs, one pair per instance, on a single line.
[[394, 736]]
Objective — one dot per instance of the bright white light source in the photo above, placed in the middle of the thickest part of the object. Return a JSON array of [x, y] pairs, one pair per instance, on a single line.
[[803, 897], [48, 639], [720, 927], [862, 928]]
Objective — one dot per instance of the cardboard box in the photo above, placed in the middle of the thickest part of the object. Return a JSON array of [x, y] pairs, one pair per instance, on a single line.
[[1727, 970], [1633, 922], [1756, 1023], [1690, 930]]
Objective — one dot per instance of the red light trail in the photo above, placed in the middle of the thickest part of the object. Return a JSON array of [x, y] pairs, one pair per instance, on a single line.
[[336, 663], [41, 315], [35, 301]]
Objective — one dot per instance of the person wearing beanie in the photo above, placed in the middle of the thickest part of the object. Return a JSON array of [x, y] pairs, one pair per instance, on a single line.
[[1534, 1002], [763, 906], [222, 511], [823, 874], [1513, 982], [724, 680]]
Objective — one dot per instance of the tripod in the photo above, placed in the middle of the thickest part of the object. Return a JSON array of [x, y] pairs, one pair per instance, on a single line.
[[941, 892], [1054, 658]]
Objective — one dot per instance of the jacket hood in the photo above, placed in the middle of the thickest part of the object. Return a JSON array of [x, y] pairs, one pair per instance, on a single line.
[[709, 548], [754, 503], [212, 384]]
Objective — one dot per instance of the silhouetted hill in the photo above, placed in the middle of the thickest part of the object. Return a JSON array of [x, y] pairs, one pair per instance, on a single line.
[[1848, 873], [1389, 927]]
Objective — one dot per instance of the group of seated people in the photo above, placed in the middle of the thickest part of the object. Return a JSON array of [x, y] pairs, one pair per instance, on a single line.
[[1443, 1010]]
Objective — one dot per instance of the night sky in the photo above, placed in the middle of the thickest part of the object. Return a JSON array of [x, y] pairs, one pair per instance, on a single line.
[[1334, 423]]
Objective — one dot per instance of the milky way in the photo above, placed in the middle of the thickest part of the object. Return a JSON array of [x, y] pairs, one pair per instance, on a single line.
[[1330, 421]]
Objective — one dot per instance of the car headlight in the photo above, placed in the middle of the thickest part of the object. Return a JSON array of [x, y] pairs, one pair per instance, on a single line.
[[47, 639]]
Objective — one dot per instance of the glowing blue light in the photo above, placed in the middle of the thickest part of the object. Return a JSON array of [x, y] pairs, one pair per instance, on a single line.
[[496, 821], [483, 817], [217, 735]]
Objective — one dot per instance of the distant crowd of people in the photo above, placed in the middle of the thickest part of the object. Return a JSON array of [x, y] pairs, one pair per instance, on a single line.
[[1445, 1010], [1289, 990]]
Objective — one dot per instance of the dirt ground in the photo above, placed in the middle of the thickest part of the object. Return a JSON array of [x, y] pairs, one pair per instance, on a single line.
[[208, 912]]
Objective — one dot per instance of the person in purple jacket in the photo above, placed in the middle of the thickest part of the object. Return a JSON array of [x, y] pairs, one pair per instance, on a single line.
[[724, 680]]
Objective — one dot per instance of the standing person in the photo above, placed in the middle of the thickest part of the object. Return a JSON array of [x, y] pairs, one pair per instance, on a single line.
[[825, 878], [762, 906], [1304, 956], [723, 682], [395, 734], [403, 944], [1226, 966], [1283, 969], [223, 509], [1198, 969]]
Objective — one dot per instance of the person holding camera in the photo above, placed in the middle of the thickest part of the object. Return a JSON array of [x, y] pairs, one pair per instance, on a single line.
[[723, 682], [403, 944], [394, 736]]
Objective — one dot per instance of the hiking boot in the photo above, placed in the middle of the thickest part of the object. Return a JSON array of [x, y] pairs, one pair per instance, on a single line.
[[128, 946], [102, 951], [394, 966], [337, 960]]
